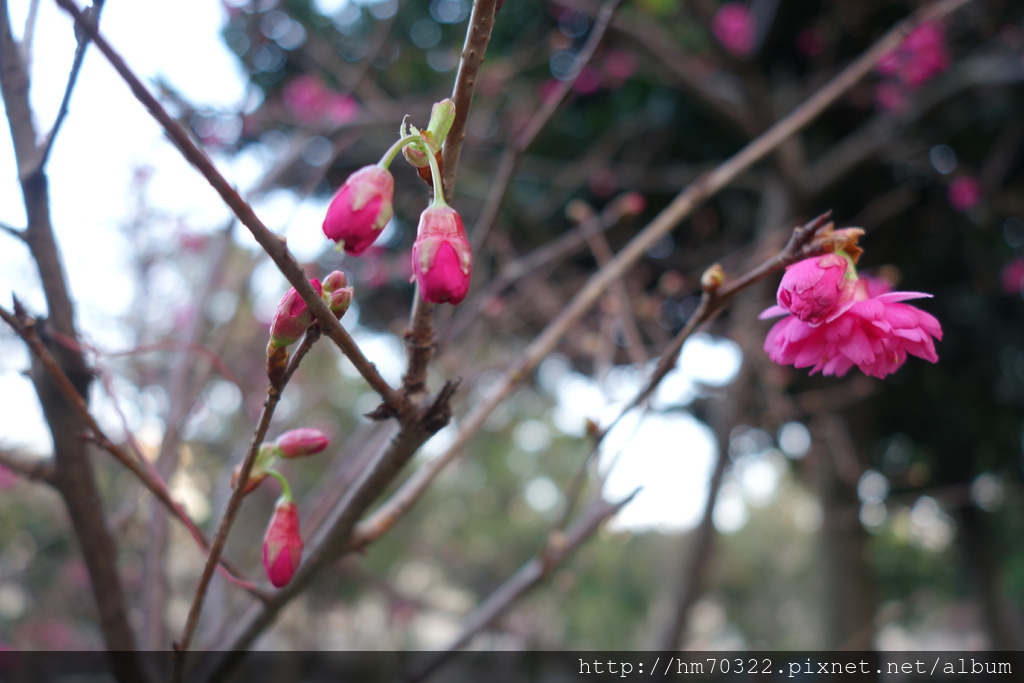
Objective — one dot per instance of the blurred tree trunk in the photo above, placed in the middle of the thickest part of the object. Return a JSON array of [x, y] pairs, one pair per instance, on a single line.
[[975, 542], [847, 585]]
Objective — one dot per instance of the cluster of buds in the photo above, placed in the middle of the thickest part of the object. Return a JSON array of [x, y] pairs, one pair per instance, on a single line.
[[836, 319], [363, 205], [293, 317], [282, 543]]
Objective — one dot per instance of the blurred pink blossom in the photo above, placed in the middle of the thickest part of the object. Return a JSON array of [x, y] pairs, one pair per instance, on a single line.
[[1012, 276], [588, 81], [964, 193], [310, 101], [8, 478], [810, 42], [922, 56], [734, 28]]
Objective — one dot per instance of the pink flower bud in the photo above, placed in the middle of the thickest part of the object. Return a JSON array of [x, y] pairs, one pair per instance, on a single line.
[[291, 318], [282, 544], [360, 209], [336, 293], [734, 28], [441, 258], [816, 290], [299, 442]]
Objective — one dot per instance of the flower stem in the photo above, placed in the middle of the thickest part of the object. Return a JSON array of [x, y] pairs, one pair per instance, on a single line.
[[286, 490], [435, 175], [393, 151]]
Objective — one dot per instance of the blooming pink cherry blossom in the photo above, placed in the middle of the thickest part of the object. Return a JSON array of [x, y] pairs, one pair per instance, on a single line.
[[876, 334], [441, 258], [360, 209], [734, 28], [922, 56], [282, 544]]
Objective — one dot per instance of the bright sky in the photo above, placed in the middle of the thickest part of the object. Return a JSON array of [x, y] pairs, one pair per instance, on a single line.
[[108, 135]]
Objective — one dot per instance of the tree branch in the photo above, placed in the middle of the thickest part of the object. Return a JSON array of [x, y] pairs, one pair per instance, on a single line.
[[93, 14], [560, 547], [271, 243], [220, 538]]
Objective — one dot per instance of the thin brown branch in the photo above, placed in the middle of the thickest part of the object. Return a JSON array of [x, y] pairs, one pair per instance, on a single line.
[[510, 158], [562, 247], [14, 232], [722, 100], [478, 35], [560, 547], [271, 243], [93, 15], [36, 469], [220, 537]]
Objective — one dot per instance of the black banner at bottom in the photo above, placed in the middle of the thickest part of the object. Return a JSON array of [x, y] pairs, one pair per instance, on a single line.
[[525, 667]]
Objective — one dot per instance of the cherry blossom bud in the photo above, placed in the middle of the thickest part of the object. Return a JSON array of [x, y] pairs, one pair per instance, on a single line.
[[442, 116], [441, 258], [291, 319], [816, 289], [360, 209], [299, 442], [336, 293], [712, 278], [282, 544]]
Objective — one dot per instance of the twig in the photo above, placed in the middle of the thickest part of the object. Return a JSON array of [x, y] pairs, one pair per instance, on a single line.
[[26, 329], [14, 232], [559, 248], [220, 537], [271, 243], [36, 469], [510, 158], [478, 35], [28, 36], [93, 14], [559, 547]]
